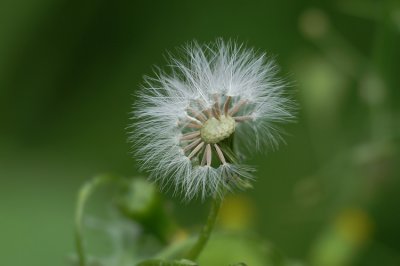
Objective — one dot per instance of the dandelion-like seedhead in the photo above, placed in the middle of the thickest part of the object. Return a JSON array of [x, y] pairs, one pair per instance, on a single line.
[[192, 122]]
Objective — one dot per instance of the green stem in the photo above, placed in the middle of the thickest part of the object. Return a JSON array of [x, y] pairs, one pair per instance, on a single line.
[[83, 196], [205, 233]]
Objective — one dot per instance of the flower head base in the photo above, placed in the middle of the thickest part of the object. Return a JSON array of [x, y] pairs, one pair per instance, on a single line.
[[216, 129], [208, 127], [193, 122]]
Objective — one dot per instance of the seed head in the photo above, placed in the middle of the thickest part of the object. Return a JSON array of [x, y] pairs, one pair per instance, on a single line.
[[194, 120]]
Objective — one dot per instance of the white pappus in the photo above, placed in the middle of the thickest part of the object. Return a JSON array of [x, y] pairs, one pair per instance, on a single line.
[[191, 121]]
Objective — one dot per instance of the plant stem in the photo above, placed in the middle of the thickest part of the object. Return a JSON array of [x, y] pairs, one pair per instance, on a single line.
[[205, 233]]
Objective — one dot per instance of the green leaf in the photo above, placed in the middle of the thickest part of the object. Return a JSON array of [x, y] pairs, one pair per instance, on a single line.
[[84, 194]]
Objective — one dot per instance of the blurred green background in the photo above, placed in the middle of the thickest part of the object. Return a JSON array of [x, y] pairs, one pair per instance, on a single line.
[[68, 70]]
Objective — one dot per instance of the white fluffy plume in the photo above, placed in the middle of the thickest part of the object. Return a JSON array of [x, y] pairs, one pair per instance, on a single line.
[[212, 100]]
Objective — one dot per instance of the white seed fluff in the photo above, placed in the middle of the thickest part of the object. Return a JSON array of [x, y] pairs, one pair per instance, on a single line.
[[212, 95]]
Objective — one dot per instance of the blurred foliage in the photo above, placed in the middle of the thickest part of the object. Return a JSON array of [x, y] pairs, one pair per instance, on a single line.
[[327, 198], [141, 226]]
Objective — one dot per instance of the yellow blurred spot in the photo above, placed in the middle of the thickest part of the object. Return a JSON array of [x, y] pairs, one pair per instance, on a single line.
[[339, 243], [354, 225], [237, 213], [179, 236]]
